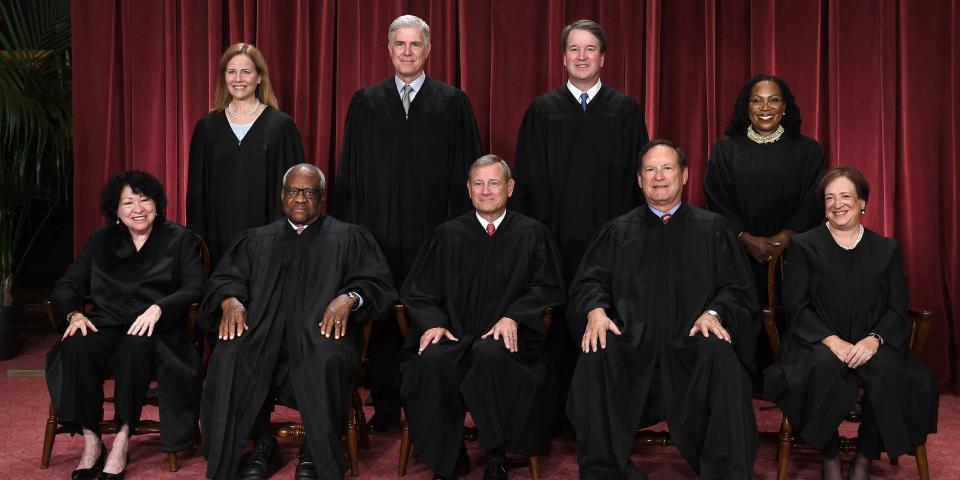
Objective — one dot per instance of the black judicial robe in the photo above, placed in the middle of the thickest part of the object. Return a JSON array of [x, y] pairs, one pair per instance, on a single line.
[[232, 185], [121, 283], [764, 188], [401, 177], [465, 280], [286, 281], [654, 280], [828, 290], [576, 170]]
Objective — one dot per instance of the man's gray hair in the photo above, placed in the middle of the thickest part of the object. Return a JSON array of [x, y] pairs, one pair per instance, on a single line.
[[309, 169], [409, 21], [491, 159]]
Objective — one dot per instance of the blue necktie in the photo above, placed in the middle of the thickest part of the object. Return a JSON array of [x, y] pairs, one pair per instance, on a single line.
[[583, 101]]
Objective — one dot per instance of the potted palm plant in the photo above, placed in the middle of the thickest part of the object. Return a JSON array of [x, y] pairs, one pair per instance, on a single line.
[[35, 135]]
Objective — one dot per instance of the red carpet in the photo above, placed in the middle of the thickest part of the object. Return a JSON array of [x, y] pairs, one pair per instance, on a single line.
[[23, 411]]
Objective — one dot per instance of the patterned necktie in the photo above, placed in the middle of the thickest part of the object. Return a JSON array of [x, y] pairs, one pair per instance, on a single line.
[[299, 229], [405, 97], [583, 101], [666, 218], [491, 228]]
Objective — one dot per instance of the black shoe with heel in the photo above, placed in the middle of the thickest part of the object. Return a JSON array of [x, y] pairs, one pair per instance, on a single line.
[[116, 476], [92, 472]]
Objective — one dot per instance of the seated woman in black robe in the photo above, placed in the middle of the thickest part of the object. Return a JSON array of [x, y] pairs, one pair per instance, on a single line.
[[845, 295], [141, 273]]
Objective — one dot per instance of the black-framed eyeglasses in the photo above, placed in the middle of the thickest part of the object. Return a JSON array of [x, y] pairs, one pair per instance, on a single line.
[[311, 193]]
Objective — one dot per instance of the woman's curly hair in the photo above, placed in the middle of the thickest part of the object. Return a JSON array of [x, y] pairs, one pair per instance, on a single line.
[[740, 118]]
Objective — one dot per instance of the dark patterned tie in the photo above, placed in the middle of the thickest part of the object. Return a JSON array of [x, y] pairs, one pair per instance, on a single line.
[[583, 101], [491, 228], [666, 218], [405, 97]]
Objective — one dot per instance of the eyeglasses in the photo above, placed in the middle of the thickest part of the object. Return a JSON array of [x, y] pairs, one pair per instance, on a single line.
[[311, 193], [772, 101]]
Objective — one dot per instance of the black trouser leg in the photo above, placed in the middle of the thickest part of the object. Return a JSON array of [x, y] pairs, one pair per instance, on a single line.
[[86, 364], [133, 367]]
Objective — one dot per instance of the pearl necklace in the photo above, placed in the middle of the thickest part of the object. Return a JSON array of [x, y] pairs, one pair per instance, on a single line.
[[852, 245], [756, 137], [241, 116]]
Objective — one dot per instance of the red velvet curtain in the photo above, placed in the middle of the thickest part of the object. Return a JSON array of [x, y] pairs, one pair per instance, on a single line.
[[877, 81]]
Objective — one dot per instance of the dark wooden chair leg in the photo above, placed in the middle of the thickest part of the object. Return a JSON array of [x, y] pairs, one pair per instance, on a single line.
[[535, 468], [49, 435], [361, 420], [894, 460], [783, 448], [353, 450], [172, 461], [923, 468], [404, 449]]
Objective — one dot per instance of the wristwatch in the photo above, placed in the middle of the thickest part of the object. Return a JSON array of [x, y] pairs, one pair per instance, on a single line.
[[356, 299]]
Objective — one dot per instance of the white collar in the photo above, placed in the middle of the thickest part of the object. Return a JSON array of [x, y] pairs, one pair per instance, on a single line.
[[496, 223], [591, 92], [303, 227], [416, 84]]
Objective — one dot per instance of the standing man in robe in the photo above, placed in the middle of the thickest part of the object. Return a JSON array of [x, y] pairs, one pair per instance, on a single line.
[[286, 301], [476, 296], [407, 145], [667, 297], [576, 156]]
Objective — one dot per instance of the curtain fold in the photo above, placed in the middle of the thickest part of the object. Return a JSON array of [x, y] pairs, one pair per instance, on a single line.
[[877, 82]]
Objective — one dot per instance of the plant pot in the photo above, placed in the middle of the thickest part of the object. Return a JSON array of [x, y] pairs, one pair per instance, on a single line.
[[10, 320]]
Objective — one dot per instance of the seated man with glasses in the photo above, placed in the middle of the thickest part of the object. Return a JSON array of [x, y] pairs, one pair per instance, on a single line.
[[286, 301]]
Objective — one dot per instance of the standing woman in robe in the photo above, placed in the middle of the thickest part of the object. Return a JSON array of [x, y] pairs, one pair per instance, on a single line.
[[141, 273], [845, 296], [763, 175], [239, 153]]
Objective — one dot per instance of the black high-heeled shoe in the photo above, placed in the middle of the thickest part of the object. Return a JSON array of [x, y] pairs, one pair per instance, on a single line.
[[115, 476], [92, 472]]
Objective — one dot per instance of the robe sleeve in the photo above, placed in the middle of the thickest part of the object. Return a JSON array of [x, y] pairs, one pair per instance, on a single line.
[[422, 291], [534, 190], [367, 273], [809, 210], [592, 286], [802, 319], [545, 288], [72, 288], [735, 300], [195, 179], [230, 279], [174, 306], [718, 187], [348, 190], [891, 324]]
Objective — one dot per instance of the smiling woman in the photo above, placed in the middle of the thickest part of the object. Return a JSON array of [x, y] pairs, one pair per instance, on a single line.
[[239, 153], [141, 273]]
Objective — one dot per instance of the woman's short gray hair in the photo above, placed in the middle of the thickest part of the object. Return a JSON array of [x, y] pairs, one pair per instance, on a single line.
[[409, 21], [491, 159]]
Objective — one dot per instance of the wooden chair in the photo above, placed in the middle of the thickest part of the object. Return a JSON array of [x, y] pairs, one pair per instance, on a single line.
[[356, 435], [920, 321], [54, 427], [469, 434]]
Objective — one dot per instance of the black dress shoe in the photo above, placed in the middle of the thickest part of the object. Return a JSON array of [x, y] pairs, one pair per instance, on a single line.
[[382, 421], [92, 472], [261, 462], [306, 469], [115, 476], [496, 469]]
